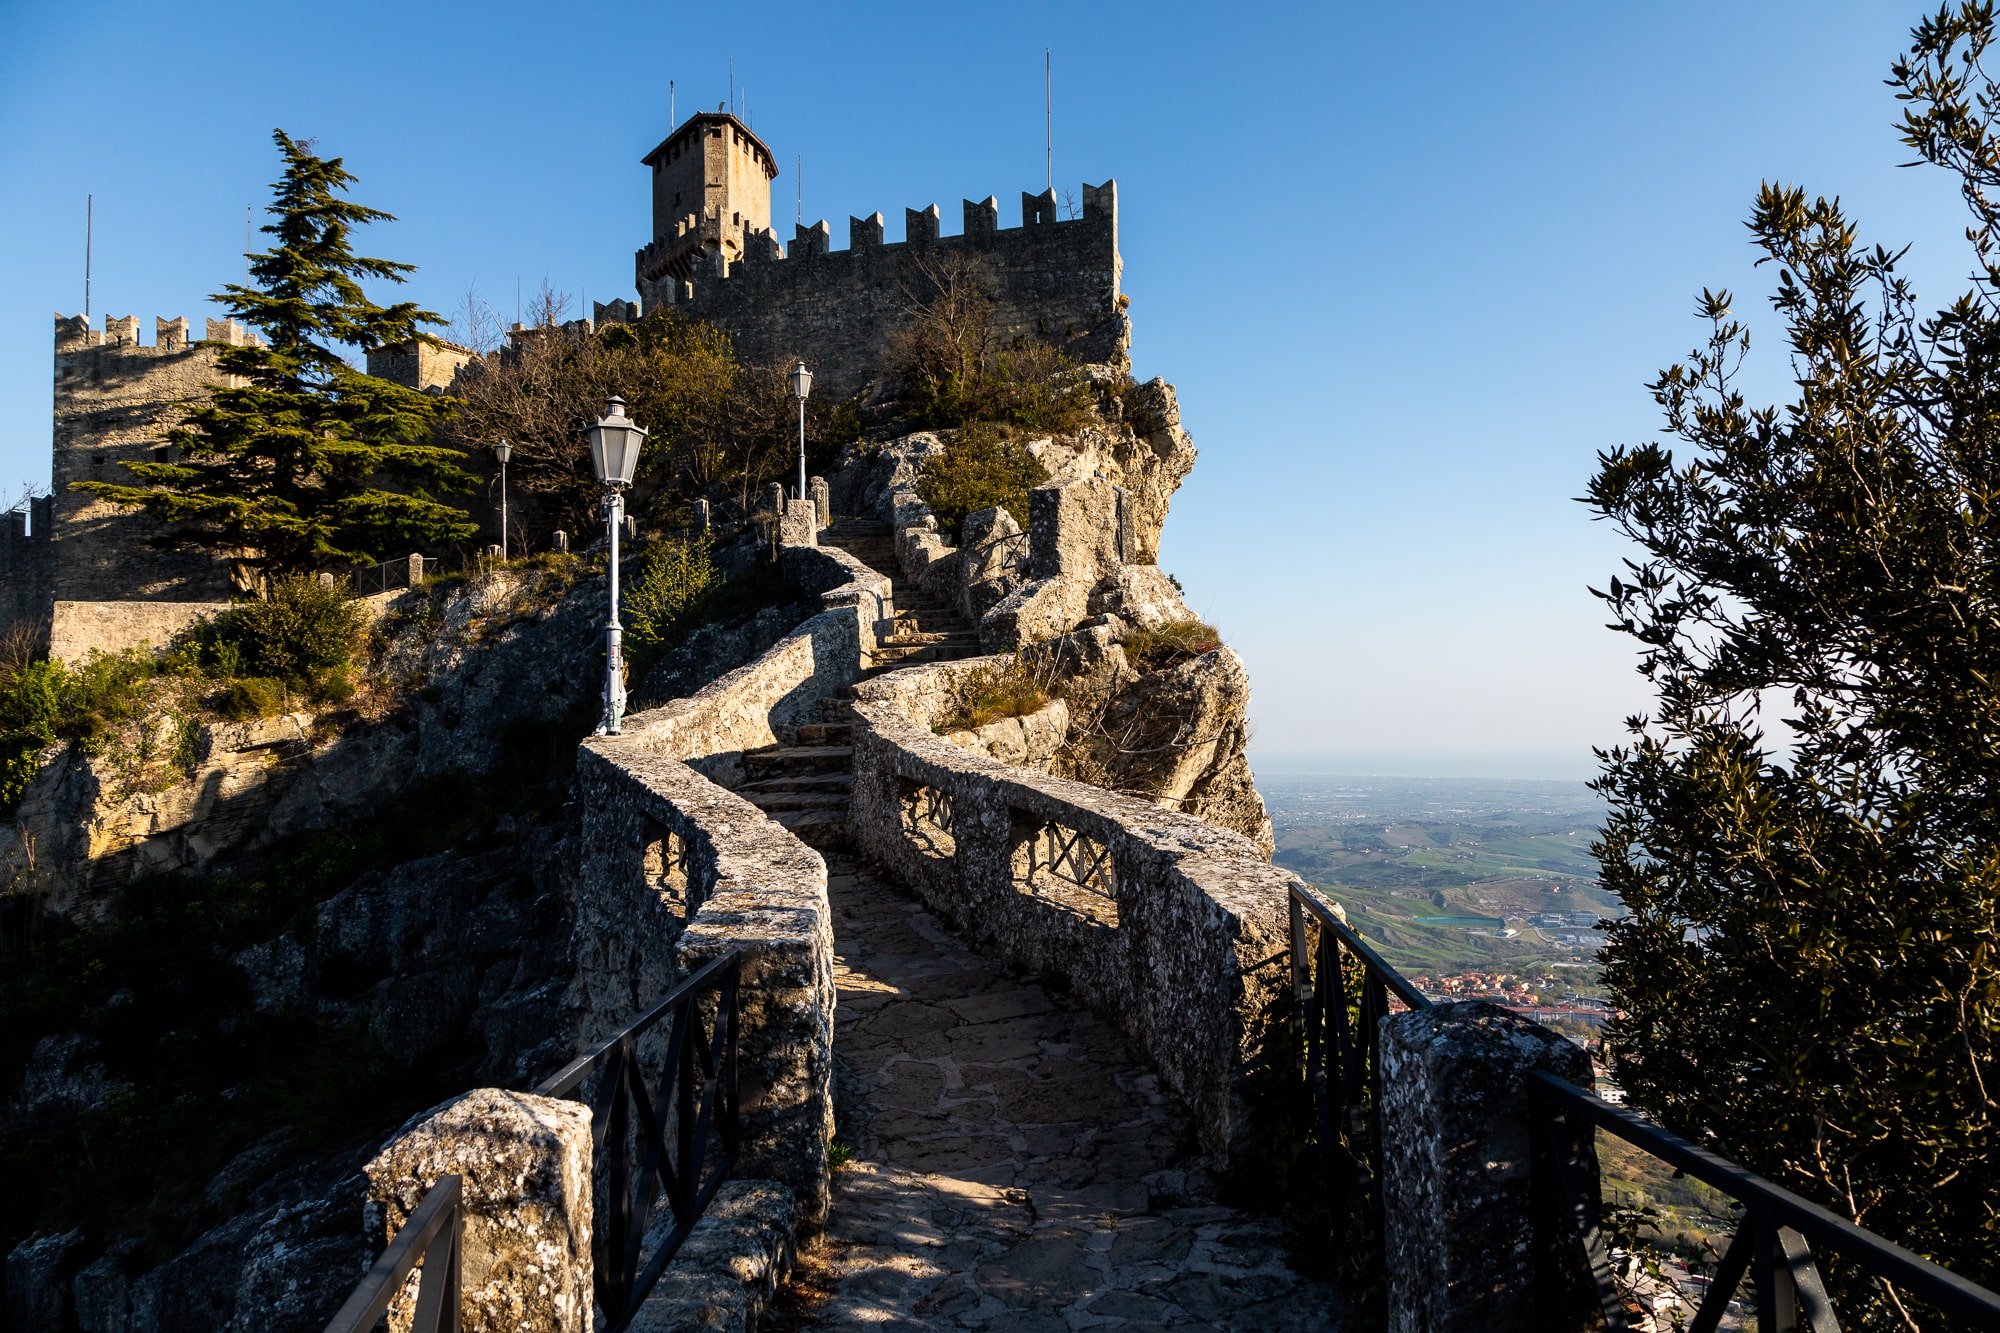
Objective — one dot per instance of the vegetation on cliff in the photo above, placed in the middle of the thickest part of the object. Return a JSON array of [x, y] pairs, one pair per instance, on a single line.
[[1810, 973], [307, 463], [955, 370], [978, 468], [719, 428]]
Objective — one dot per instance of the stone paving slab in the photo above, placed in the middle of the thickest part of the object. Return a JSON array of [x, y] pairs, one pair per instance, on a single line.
[[1016, 1165]]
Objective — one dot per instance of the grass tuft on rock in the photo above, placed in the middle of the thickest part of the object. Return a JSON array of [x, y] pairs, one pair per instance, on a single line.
[[992, 693], [1171, 644]]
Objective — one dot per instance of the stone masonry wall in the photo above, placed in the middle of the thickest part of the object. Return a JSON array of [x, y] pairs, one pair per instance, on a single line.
[[27, 566], [840, 309], [115, 400]]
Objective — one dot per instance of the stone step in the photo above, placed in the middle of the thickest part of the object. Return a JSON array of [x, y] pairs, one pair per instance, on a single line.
[[825, 733], [911, 653], [775, 801], [800, 756], [833, 780], [814, 828]]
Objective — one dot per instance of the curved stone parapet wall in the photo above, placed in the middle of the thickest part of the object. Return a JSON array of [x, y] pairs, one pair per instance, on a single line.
[[1177, 932], [674, 870]]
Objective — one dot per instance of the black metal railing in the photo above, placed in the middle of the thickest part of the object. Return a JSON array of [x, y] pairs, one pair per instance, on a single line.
[[433, 1236], [1342, 991], [1774, 1241], [668, 1138]]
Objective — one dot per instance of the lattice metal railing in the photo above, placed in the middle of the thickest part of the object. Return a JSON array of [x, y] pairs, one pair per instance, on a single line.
[[1072, 857], [651, 1134], [928, 819], [1343, 990]]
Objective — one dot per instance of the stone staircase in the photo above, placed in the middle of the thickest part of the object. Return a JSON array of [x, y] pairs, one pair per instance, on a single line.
[[804, 787]]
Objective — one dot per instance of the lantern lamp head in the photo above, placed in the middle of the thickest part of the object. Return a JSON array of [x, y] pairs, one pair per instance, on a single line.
[[614, 445], [502, 451], [802, 381]]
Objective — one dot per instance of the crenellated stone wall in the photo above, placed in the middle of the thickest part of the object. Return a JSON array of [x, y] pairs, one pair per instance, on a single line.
[[115, 401], [1054, 281]]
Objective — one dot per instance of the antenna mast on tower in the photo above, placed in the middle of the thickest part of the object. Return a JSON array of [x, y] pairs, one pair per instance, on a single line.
[[88, 201], [670, 106], [248, 245], [1049, 115]]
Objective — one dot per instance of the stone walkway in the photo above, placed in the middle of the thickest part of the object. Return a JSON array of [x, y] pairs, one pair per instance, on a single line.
[[1016, 1167]]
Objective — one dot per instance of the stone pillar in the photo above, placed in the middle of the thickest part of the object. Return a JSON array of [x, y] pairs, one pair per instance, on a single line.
[[822, 499], [774, 498], [526, 1164], [325, 579], [1457, 1166], [416, 569], [798, 525], [701, 518], [561, 546]]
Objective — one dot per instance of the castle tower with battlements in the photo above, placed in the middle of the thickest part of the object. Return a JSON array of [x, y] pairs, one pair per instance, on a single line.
[[711, 190], [714, 257]]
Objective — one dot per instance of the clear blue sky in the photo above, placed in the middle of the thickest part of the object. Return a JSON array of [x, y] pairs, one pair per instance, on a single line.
[[1410, 266]]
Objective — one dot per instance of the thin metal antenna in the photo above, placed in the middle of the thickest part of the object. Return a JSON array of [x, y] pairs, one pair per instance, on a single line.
[[732, 85], [670, 106], [1049, 114], [247, 244], [517, 298], [799, 184], [88, 203]]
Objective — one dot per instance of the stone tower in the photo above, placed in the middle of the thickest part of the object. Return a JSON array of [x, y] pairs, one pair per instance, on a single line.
[[711, 193]]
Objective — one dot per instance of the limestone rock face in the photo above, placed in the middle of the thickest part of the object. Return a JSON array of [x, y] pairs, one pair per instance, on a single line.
[[1140, 595], [478, 664], [525, 1161], [1176, 736], [1029, 742], [995, 556], [38, 1273]]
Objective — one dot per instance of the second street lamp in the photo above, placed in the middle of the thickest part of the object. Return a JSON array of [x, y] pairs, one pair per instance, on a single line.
[[614, 452], [503, 451], [802, 384]]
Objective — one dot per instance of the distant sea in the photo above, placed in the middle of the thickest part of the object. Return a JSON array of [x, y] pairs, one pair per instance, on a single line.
[[1306, 798]]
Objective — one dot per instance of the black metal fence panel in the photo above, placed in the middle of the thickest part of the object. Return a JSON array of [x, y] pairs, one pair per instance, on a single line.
[[433, 1236], [666, 1134]]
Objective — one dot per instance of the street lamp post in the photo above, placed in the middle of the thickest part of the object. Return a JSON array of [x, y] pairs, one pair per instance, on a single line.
[[503, 451], [614, 452], [802, 384]]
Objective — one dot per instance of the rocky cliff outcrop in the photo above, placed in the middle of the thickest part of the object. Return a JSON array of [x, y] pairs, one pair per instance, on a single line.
[[1073, 591], [460, 676]]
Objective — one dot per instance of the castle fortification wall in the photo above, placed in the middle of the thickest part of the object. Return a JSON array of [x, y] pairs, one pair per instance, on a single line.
[[115, 400], [27, 566], [1055, 281]]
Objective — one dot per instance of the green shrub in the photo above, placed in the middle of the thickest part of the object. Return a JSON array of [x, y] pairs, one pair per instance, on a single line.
[[1171, 644], [301, 627], [250, 697], [978, 469], [332, 686], [44, 702], [1038, 388], [674, 587]]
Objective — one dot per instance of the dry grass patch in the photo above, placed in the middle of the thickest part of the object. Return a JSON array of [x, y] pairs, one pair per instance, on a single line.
[[992, 693], [1171, 644]]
